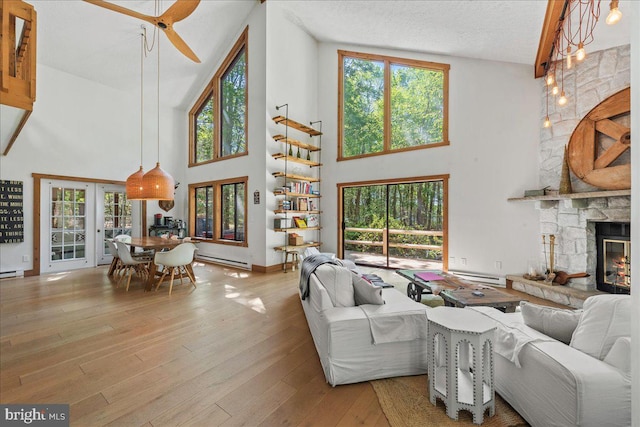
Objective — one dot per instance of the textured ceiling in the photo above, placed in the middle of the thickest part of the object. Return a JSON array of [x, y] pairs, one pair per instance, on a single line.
[[100, 45]]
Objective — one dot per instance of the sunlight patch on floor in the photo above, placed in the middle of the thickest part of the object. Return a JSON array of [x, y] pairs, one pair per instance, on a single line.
[[244, 298], [57, 276]]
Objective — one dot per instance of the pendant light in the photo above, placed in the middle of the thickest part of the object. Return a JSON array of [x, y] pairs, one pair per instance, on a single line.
[[134, 186], [614, 13], [158, 185]]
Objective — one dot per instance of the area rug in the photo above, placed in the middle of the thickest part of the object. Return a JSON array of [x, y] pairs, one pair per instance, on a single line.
[[405, 403]]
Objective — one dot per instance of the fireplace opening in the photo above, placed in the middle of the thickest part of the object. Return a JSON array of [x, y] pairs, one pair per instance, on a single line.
[[613, 268]]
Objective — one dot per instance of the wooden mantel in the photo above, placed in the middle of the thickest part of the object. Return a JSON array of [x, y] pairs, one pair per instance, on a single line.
[[17, 64], [552, 19]]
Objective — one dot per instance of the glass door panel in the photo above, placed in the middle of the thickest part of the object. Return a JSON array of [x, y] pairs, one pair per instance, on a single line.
[[115, 216], [364, 213], [415, 225], [67, 237], [394, 225]]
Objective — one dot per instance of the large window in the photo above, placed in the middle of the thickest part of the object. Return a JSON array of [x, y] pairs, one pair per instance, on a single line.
[[218, 120], [390, 104], [217, 210]]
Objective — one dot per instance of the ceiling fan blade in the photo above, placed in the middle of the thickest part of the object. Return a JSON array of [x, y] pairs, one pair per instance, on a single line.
[[123, 10], [180, 44], [180, 10]]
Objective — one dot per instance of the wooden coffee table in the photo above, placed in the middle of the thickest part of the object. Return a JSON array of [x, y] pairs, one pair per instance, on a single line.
[[490, 298], [457, 292]]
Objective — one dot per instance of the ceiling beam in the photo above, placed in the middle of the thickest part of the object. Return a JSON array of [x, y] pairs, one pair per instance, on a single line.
[[552, 18]]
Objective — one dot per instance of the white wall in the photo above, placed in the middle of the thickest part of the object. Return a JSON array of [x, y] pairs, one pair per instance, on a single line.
[[292, 75], [82, 129], [494, 135], [251, 165]]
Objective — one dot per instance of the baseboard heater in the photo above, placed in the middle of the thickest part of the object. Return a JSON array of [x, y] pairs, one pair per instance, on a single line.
[[498, 281], [11, 273], [224, 261]]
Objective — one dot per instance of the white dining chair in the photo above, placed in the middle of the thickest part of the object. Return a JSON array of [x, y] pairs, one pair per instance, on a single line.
[[131, 264], [113, 250], [176, 261]]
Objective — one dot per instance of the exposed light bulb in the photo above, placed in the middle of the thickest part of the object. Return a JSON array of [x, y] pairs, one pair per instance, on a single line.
[[580, 53], [555, 90], [550, 79], [569, 62], [547, 122], [614, 13], [562, 100]]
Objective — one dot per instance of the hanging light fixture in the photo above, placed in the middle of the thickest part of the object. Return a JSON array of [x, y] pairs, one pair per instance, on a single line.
[[614, 15], [547, 122], [134, 187], [157, 184]]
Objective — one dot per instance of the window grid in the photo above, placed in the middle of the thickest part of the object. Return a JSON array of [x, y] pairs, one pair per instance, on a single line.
[[390, 104], [217, 210], [218, 119]]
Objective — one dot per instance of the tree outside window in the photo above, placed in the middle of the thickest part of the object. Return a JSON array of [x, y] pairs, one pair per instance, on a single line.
[[218, 120], [217, 211], [232, 211], [391, 104]]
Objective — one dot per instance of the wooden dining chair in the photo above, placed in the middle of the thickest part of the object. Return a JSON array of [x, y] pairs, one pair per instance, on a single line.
[[176, 261], [131, 264]]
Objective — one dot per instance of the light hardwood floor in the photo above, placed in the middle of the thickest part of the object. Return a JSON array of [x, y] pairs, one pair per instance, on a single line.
[[234, 351]]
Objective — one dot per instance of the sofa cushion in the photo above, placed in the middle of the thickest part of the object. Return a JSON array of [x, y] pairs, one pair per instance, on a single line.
[[337, 281], [556, 323], [605, 319], [365, 292]]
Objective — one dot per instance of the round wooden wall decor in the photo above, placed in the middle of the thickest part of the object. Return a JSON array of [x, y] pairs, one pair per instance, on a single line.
[[591, 155]]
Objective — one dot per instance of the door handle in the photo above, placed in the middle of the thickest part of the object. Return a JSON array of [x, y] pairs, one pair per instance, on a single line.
[[97, 231]]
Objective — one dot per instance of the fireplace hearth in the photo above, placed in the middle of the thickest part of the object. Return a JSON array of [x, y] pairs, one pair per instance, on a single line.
[[613, 267]]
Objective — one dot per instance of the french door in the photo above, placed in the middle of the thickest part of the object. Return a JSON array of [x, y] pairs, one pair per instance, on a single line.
[[395, 224], [114, 216], [76, 217], [68, 221]]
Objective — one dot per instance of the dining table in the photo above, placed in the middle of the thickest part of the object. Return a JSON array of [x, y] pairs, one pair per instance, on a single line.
[[155, 244]]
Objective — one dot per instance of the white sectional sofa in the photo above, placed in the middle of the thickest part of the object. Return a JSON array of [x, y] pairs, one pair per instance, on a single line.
[[584, 381], [368, 341]]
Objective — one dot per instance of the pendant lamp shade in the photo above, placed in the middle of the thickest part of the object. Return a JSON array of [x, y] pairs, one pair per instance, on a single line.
[[158, 185], [134, 185]]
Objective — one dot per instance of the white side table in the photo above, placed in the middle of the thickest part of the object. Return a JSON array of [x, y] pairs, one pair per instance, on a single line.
[[460, 379]]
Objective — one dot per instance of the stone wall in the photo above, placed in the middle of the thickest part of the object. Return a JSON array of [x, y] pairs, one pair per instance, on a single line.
[[588, 83]]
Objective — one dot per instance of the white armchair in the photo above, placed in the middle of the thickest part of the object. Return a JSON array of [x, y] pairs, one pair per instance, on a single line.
[[178, 260]]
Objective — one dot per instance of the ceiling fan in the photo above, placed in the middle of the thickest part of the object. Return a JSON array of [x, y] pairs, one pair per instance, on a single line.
[[177, 12]]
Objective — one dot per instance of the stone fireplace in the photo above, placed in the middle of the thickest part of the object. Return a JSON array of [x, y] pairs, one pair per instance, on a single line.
[[573, 220]]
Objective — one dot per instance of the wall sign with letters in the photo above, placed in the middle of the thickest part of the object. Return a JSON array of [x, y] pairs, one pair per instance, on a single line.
[[11, 213]]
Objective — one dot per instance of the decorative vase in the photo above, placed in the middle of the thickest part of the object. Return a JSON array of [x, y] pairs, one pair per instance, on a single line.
[[565, 177]]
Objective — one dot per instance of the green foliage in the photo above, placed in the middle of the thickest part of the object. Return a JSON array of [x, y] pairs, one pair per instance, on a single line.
[[204, 132], [411, 206], [417, 106], [234, 106]]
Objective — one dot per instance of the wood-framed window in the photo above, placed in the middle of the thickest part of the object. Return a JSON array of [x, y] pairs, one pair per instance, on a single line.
[[218, 210], [218, 120], [388, 104]]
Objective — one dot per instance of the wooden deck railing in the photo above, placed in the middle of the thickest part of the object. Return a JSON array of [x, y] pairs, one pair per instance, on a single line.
[[387, 232]]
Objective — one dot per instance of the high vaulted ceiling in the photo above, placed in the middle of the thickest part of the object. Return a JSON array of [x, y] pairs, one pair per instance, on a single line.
[[104, 46]]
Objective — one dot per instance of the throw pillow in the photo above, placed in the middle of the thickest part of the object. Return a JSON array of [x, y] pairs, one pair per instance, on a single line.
[[365, 292], [556, 323], [605, 319], [337, 282]]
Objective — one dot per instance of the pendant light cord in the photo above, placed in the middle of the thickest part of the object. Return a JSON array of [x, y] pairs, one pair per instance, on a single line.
[[142, 42], [158, 96]]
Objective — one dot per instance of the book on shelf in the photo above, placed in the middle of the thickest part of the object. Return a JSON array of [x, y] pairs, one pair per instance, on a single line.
[[300, 222]]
